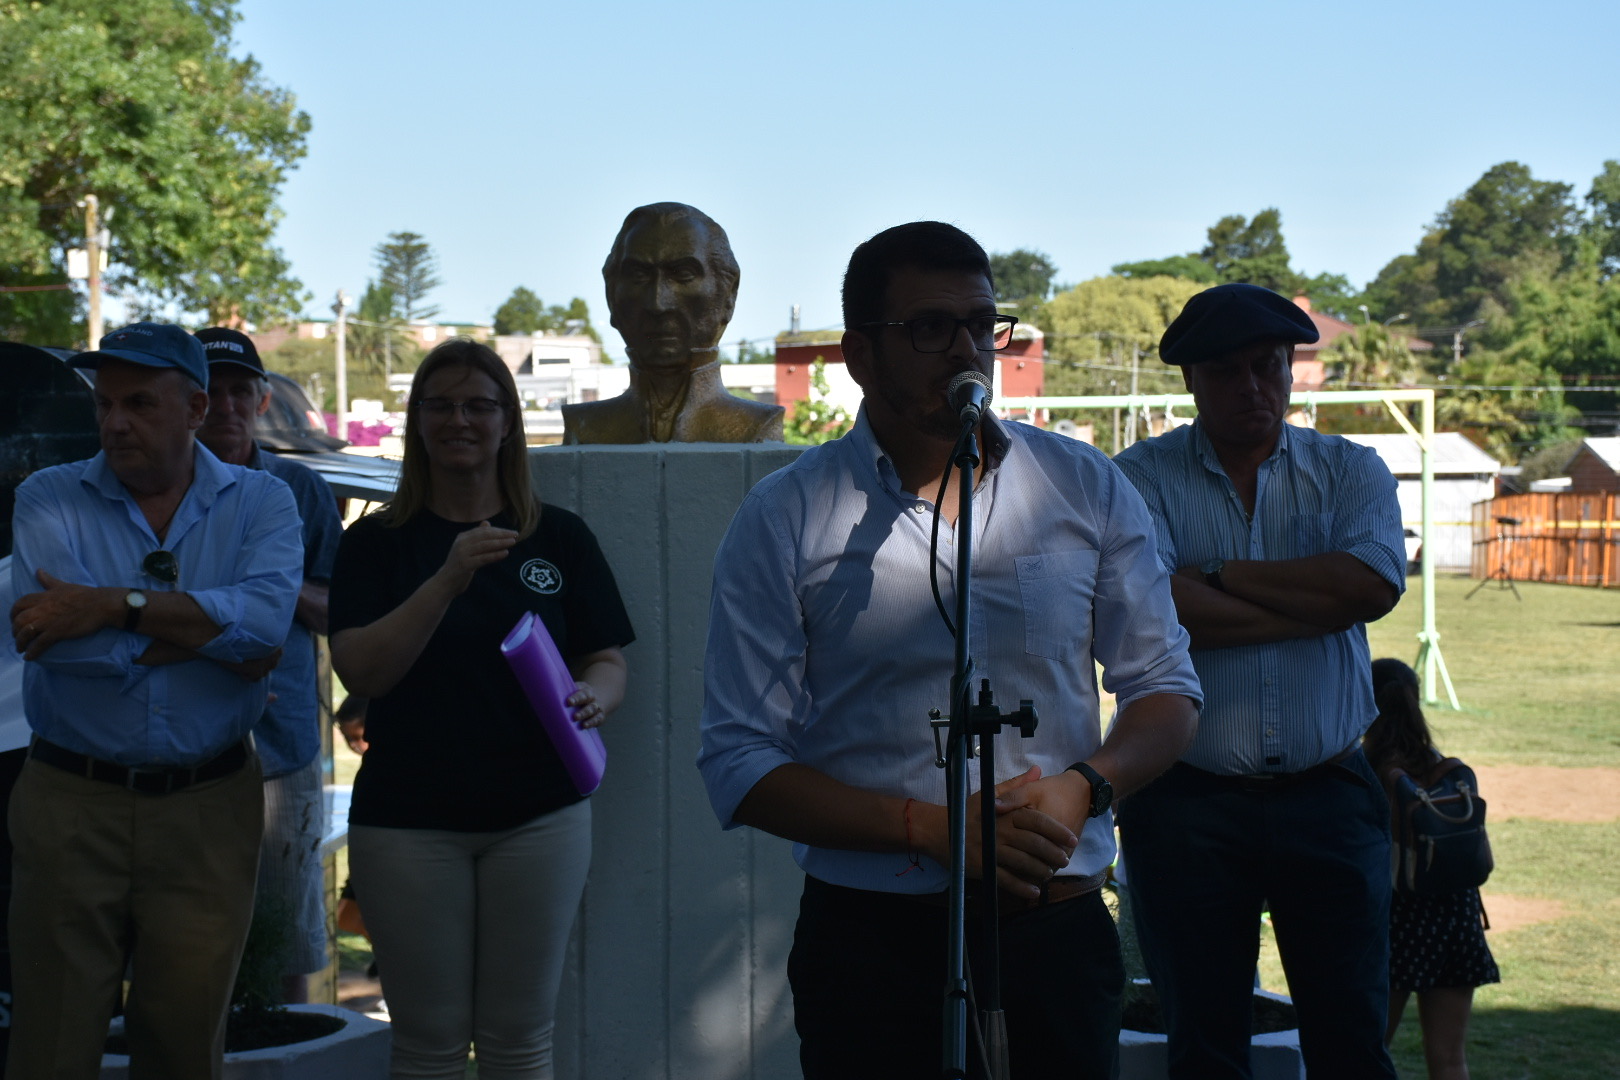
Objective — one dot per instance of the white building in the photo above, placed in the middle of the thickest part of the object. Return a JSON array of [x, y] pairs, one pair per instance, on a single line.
[[1463, 475]]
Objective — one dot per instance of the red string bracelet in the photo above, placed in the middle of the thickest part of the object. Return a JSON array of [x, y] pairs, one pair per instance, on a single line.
[[911, 854]]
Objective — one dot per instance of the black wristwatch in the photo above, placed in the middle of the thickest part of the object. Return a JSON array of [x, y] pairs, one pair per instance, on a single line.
[[134, 607], [1102, 792], [1212, 573]]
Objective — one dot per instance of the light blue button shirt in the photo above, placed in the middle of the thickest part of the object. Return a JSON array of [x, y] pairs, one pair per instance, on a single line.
[[1287, 705], [236, 538], [825, 647]]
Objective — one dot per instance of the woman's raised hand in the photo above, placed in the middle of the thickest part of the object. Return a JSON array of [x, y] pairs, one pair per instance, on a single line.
[[477, 547]]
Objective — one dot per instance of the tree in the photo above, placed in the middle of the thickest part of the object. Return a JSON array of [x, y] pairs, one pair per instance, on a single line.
[[1252, 251], [1369, 356], [1331, 293], [141, 104], [1238, 249], [407, 267], [525, 313], [522, 313], [749, 353], [1190, 267], [377, 341], [1022, 276], [816, 420], [1604, 228], [1506, 224], [574, 318], [1096, 329]]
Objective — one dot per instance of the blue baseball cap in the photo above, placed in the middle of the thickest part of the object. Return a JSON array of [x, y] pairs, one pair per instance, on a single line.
[[1228, 317], [150, 344]]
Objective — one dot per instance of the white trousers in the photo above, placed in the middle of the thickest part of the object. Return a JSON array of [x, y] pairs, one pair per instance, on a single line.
[[470, 931]]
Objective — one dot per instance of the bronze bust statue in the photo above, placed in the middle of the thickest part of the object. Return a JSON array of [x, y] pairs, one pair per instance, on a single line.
[[671, 288]]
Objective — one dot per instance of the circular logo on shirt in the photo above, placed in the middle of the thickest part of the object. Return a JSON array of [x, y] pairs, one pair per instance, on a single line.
[[541, 576]]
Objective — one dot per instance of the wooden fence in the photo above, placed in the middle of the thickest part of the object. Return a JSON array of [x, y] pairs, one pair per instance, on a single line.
[[1570, 539]]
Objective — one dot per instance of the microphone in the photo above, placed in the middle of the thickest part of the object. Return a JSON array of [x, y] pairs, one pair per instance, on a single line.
[[970, 395]]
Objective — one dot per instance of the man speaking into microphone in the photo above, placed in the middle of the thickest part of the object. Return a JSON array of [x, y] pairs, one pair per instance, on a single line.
[[826, 653]]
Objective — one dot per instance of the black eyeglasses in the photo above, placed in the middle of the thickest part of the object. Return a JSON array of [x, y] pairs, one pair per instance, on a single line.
[[481, 407], [163, 566], [934, 333]]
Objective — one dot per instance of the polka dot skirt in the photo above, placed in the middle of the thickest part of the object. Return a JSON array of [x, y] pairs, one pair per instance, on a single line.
[[1438, 940]]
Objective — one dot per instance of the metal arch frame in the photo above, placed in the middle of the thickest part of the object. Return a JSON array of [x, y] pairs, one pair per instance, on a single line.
[[1430, 662]]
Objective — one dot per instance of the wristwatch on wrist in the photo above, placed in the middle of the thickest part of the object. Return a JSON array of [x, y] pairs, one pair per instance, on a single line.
[[1102, 792], [1212, 573], [134, 607]]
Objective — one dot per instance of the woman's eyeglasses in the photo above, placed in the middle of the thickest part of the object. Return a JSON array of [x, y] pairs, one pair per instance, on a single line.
[[479, 407], [163, 566]]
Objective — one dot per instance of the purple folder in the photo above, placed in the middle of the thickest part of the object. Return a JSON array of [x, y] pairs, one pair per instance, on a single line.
[[540, 670]]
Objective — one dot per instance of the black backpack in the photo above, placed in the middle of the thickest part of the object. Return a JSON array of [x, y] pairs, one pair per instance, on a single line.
[[1439, 842]]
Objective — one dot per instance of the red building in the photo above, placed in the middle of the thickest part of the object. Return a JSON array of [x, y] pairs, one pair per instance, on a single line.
[[1019, 368], [1310, 371]]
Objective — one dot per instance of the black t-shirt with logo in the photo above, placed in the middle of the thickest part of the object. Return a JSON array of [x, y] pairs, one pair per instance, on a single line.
[[455, 745]]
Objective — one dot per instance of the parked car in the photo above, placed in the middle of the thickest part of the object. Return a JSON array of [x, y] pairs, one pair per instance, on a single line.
[[292, 422]]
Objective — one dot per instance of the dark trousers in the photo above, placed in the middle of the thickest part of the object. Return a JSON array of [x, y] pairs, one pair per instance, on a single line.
[[1204, 856], [868, 977]]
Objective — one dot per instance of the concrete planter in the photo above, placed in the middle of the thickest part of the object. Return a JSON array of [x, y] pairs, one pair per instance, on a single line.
[[1143, 1056], [356, 1051]]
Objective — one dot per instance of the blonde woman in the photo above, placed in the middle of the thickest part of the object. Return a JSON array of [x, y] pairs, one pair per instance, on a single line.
[[468, 843]]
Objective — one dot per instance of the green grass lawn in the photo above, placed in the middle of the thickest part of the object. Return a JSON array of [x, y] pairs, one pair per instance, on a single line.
[[1539, 683], [1538, 679]]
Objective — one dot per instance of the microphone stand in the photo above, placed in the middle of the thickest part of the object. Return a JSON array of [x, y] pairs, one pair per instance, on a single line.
[[968, 720]]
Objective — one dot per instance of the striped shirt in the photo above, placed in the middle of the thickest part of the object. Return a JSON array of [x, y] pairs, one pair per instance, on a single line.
[[1286, 705], [825, 647]]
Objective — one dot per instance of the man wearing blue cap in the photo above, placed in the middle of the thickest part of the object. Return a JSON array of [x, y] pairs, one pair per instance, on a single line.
[[156, 586], [1283, 543]]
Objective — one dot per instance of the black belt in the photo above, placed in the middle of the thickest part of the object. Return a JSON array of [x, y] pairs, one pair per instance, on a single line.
[[1054, 891], [1273, 781], [158, 780]]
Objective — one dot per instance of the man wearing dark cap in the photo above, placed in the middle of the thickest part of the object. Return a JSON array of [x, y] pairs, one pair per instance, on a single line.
[[156, 585], [1283, 543], [288, 736]]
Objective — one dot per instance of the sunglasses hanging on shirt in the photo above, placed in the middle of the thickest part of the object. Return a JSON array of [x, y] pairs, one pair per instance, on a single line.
[[163, 566]]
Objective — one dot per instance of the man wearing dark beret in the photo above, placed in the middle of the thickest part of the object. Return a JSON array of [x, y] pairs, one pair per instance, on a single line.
[[1284, 543]]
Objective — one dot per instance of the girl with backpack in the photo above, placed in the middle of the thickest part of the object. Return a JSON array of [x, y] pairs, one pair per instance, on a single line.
[[1437, 940]]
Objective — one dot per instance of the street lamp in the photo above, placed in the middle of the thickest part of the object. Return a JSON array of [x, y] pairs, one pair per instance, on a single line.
[[1396, 319], [1456, 340], [1365, 318]]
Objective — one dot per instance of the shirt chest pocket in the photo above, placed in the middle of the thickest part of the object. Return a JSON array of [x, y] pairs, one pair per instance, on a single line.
[[1056, 590], [1311, 533]]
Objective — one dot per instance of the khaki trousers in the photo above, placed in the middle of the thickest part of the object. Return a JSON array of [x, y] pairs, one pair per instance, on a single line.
[[103, 877]]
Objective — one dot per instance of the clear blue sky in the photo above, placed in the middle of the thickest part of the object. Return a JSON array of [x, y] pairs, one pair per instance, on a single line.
[[515, 136]]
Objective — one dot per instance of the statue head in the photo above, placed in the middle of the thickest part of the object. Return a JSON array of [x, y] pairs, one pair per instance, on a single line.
[[671, 285]]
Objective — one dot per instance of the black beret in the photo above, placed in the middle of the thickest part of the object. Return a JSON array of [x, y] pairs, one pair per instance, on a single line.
[[1228, 317]]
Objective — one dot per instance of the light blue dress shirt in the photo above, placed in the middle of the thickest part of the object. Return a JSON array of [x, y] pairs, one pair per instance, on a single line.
[[236, 538], [825, 647], [288, 736], [1288, 705]]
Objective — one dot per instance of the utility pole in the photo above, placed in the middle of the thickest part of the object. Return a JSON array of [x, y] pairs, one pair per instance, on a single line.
[[1113, 388], [92, 244], [1130, 422], [342, 310], [1456, 341]]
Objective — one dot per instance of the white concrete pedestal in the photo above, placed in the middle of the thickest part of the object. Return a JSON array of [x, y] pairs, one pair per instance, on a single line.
[[678, 964]]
